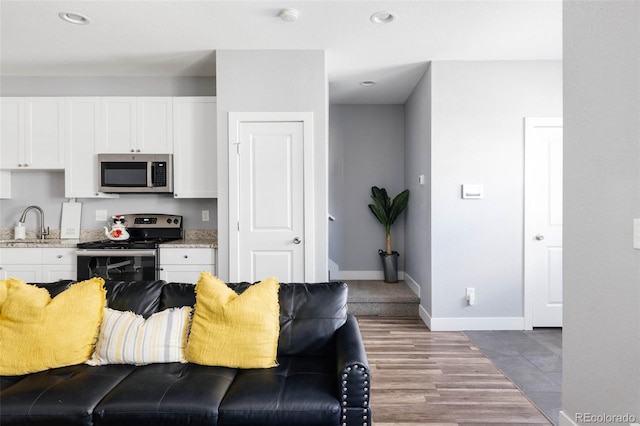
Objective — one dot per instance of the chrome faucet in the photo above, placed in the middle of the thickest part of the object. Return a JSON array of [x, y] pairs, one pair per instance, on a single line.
[[43, 231]]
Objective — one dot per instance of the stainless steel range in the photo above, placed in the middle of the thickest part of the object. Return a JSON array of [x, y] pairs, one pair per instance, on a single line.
[[133, 259]]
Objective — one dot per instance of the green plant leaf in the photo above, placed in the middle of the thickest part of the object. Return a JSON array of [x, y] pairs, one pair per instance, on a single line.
[[398, 205], [385, 210]]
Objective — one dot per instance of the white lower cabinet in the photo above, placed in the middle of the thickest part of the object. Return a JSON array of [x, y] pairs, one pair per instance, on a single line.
[[59, 264], [185, 264], [38, 264]]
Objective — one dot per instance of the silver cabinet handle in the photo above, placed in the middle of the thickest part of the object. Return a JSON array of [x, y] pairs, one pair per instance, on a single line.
[[297, 240], [539, 237]]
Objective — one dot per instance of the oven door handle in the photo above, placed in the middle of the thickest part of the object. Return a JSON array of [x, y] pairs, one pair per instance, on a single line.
[[115, 252]]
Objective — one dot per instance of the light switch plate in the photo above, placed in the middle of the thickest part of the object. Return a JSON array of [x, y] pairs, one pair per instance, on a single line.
[[472, 191], [101, 215], [636, 233]]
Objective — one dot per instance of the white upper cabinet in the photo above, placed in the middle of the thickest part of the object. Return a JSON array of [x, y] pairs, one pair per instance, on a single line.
[[136, 124], [12, 132], [155, 125], [82, 130], [32, 133], [195, 147]]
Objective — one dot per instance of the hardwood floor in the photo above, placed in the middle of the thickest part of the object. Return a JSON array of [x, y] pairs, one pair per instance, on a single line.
[[423, 378]]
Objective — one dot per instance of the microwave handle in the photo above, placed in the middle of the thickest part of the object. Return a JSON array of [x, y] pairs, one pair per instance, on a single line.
[[150, 175]]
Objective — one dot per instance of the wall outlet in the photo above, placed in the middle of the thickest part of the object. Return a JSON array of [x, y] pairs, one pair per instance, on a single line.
[[101, 215], [471, 296], [205, 215]]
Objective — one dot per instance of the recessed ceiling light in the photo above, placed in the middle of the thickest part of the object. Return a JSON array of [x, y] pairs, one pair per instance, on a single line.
[[383, 17], [74, 18], [289, 15], [367, 83]]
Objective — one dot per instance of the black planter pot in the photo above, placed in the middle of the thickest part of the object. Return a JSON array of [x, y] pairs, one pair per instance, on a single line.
[[389, 265]]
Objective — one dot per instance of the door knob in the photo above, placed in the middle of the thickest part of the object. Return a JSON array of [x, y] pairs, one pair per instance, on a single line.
[[539, 237], [297, 240]]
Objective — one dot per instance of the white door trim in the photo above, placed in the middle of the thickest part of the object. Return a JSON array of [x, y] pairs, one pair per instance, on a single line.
[[309, 240], [529, 125]]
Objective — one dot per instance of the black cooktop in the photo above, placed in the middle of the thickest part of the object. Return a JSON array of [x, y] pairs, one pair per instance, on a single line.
[[146, 231]]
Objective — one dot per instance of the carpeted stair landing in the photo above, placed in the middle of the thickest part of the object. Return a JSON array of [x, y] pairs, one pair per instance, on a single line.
[[367, 297]]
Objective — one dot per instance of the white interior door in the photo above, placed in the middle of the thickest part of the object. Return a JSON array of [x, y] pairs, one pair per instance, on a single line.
[[269, 179], [543, 222]]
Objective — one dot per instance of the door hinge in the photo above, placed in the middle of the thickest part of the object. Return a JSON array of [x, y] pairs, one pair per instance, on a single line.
[[238, 226], [237, 144]]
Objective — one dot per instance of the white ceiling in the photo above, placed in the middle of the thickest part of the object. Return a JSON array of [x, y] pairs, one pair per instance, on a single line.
[[179, 38]]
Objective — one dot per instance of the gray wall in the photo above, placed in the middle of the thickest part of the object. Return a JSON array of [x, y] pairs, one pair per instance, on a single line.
[[46, 189], [274, 80], [477, 137], [601, 337], [418, 162], [465, 125], [366, 146]]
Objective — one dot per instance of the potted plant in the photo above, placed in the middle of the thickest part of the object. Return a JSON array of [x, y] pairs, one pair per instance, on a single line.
[[387, 211]]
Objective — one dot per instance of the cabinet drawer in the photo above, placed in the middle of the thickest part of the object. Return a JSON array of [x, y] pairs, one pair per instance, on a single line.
[[20, 256], [190, 256], [55, 256]]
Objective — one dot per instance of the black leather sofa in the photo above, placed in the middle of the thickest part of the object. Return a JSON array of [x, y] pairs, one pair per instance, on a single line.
[[322, 378]]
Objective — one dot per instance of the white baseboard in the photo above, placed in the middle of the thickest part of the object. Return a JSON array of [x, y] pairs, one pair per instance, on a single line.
[[471, 324], [412, 284], [424, 316]]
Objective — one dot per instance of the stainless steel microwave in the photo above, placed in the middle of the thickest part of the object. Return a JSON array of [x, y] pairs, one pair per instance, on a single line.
[[136, 173]]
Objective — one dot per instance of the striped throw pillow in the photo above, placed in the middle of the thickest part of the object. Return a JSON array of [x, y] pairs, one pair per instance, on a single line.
[[127, 338]]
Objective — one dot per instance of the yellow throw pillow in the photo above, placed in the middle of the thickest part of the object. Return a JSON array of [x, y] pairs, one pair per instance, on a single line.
[[3, 292], [38, 332], [231, 330], [127, 338]]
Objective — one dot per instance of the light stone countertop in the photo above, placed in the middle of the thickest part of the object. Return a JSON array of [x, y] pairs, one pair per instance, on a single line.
[[193, 239]]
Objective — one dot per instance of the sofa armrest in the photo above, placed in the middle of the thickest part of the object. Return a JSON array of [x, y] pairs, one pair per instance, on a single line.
[[353, 375]]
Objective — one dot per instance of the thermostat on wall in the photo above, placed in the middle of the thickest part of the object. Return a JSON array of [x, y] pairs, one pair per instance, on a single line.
[[472, 191]]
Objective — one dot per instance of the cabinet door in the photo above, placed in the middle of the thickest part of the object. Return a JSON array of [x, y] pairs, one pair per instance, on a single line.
[[21, 263], [11, 133], [183, 273], [185, 264], [155, 125], [51, 273], [44, 133], [26, 273], [119, 128], [82, 129], [82, 125], [195, 147]]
